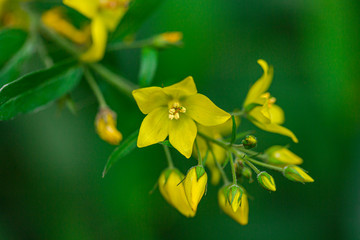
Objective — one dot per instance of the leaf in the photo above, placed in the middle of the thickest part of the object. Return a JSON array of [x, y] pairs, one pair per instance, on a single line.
[[121, 151], [37, 89], [149, 57], [11, 41], [15, 65], [138, 12]]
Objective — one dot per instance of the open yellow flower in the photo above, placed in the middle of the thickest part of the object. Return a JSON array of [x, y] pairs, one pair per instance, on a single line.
[[172, 111], [261, 108], [105, 16]]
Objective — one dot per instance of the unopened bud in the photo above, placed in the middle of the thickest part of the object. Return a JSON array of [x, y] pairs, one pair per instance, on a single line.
[[296, 174], [105, 124], [234, 197], [280, 155], [249, 141], [168, 39], [195, 185], [266, 181]]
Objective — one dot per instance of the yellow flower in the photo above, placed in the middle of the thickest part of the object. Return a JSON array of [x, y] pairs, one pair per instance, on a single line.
[[172, 111], [12, 15], [241, 215], [280, 155], [215, 132], [105, 16], [266, 181], [296, 174], [173, 192], [105, 124], [261, 108], [54, 19], [195, 185]]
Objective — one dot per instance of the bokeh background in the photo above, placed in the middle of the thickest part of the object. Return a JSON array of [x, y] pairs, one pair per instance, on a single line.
[[51, 161]]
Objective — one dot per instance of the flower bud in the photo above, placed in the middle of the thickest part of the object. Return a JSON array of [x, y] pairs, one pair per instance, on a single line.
[[195, 185], [105, 124], [296, 174], [168, 39], [266, 181], [234, 197], [280, 155], [241, 215], [249, 141], [172, 189]]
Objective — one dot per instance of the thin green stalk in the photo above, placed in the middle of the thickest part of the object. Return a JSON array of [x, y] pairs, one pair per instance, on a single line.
[[222, 172], [122, 84], [198, 153], [95, 88], [131, 45], [256, 170], [218, 142], [233, 168], [264, 164], [168, 156]]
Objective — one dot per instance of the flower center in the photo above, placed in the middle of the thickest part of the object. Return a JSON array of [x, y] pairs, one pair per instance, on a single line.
[[270, 100], [113, 4], [174, 112]]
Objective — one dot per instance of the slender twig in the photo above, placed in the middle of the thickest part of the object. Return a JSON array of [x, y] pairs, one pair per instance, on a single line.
[[168, 156], [95, 88]]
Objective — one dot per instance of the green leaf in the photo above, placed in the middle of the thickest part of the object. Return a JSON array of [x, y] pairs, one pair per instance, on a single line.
[[11, 41], [15, 65], [121, 151], [138, 12], [37, 89], [149, 57]]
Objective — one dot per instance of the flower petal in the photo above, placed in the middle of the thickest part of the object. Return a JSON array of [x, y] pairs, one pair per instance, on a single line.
[[89, 8], [150, 98], [277, 114], [182, 133], [204, 111], [261, 85], [275, 128], [99, 39], [184, 88], [154, 128], [112, 17]]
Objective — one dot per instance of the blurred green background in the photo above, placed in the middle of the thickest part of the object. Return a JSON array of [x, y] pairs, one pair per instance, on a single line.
[[51, 161]]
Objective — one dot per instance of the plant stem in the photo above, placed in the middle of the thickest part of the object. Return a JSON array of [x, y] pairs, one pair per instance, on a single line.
[[223, 174], [232, 168], [95, 88], [132, 45], [256, 170], [168, 156], [264, 164], [122, 84], [198, 153]]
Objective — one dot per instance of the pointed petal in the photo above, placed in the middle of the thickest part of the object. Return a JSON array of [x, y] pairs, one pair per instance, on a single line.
[[99, 39], [184, 88], [112, 17], [89, 8], [204, 111], [258, 114], [154, 127], [182, 133], [273, 127], [277, 114], [150, 98], [261, 85]]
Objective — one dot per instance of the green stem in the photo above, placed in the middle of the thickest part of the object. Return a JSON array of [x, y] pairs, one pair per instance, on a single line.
[[95, 88], [168, 156], [223, 174], [218, 142], [198, 153], [256, 170], [264, 164], [122, 84], [132, 45], [232, 168]]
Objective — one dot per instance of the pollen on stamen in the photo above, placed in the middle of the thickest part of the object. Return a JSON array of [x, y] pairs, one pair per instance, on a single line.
[[174, 112]]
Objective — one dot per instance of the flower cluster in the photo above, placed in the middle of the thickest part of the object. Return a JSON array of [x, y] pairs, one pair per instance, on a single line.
[[196, 126]]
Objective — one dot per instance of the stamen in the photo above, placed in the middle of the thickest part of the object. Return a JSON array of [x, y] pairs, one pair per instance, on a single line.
[[174, 112]]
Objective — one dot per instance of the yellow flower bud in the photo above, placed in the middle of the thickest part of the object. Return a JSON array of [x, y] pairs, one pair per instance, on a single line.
[[168, 39], [280, 155], [266, 181], [173, 191], [297, 174], [195, 185], [105, 124], [241, 215], [234, 197], [249, 142]]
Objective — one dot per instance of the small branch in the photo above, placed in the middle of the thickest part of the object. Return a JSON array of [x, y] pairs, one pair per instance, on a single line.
[[95, 88]]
